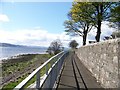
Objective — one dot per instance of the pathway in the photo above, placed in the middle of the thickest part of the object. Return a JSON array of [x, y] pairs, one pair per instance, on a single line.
[[75, 75]]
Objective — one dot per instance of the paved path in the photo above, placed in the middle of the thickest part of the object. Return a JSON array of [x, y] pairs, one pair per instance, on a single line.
[[75, 75]]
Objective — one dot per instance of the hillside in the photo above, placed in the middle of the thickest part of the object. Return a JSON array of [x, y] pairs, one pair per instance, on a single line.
[[9, 45]]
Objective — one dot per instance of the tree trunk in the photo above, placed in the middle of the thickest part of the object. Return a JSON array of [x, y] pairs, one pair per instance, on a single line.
[[97, 37], [100, 18], [84, 37]]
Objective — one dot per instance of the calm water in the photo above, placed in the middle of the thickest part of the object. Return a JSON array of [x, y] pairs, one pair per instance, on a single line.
[[7, 52]]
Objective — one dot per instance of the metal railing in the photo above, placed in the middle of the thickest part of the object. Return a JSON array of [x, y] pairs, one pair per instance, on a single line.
[[51, 70]]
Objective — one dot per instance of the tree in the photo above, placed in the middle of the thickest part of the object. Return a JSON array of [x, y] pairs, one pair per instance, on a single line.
[[93, 12], [116, 34], [55, 47], [78, 24], [49, 50], [115, 16], [102, 13], [73, 44]]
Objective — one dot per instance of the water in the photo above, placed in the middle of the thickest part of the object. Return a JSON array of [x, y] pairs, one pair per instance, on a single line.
[[7, 52]]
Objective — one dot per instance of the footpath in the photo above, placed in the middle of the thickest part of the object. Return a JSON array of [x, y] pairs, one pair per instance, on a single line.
[[75, 75]]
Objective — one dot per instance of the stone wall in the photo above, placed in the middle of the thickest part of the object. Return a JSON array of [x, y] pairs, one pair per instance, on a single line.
[[103, 61]]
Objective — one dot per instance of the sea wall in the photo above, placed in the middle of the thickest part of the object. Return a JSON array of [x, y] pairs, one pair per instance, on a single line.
[[103, 61]]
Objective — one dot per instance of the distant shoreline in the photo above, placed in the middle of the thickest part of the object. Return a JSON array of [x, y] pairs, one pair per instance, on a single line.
[[19, 56], [8, 52]]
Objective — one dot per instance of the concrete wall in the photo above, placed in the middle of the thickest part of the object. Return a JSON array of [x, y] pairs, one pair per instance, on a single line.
[[103, 61]]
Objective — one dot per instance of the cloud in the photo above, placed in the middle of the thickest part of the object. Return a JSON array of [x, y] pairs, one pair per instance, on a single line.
[[33, 37], [41, 37], [37, 1], [4, 18]]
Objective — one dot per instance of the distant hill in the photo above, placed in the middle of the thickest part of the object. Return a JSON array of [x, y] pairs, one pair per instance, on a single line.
[[9, 45], [13, 45]]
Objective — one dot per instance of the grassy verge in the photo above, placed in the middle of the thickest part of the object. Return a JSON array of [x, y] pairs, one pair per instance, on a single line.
[[16, 66]]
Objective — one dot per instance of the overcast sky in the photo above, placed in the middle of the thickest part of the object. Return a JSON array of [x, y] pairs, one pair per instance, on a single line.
[[38, 23]]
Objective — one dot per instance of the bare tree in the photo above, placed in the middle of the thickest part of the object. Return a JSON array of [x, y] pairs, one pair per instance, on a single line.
[[73, 44], [55, 47]]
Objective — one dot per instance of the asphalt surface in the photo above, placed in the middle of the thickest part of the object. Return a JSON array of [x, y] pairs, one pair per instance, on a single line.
[[75, 75]]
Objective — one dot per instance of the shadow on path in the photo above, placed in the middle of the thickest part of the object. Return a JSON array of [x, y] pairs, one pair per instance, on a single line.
[[75, 75]]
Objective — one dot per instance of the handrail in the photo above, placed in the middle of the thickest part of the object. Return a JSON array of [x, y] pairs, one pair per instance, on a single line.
[[26, 80]]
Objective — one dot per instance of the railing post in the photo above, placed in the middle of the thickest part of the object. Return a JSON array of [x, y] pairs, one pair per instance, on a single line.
[[38, 80], [46, 69], [51, 64], [53, 72]]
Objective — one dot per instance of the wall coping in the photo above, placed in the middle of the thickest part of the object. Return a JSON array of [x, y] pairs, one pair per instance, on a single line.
[[103, 42]]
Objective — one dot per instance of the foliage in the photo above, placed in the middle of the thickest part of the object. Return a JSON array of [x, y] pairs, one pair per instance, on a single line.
[[55, 47], [116, 34], [101, 13], [78, 24], [73, 44], [82, 11], [107, 37], [115, 16], [89, 14]]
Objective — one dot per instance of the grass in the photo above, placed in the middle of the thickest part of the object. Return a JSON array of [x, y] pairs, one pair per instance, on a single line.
[[11, 67], [12, 84], [43, 71], [22, 65]]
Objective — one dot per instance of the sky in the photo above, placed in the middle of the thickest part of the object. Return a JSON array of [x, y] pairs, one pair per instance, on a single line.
[[38, 23]]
